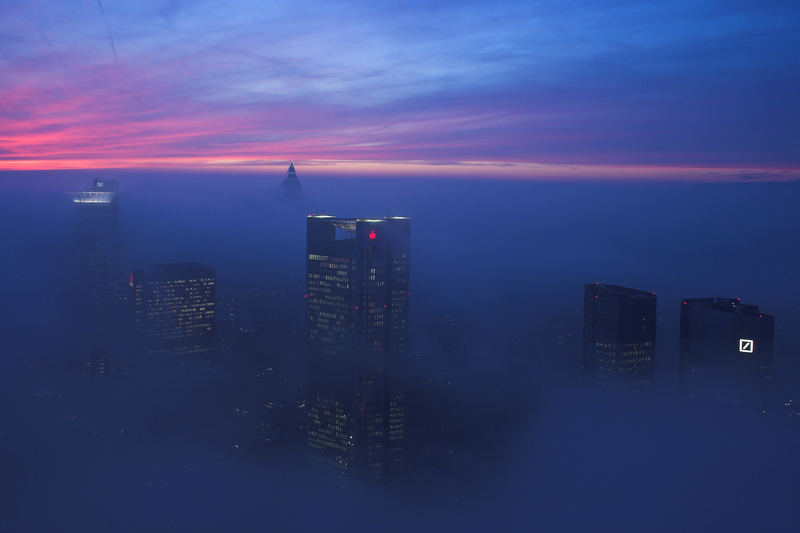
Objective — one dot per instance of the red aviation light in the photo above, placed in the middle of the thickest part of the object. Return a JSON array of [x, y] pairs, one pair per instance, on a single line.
[[372, 234], [131, 279]]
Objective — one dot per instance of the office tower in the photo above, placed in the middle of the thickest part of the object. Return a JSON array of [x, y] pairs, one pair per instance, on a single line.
[[291, 185], [98, 255], [357, 312], [619, 336], [98, 298], [723, 342], [175, 308]]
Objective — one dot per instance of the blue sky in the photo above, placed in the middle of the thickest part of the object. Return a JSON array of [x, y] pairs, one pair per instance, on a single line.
[[554, 85]]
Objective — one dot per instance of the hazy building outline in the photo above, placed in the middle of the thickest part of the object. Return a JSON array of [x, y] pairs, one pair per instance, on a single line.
[[619, 336]]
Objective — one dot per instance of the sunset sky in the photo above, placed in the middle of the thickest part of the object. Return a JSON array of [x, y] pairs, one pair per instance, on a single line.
[[694, 89]]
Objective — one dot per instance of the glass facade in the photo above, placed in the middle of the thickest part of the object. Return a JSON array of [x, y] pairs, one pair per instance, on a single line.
[[99, 294], [98, 247], [175, 307], [357, 315], [724, 342], [619, 336]]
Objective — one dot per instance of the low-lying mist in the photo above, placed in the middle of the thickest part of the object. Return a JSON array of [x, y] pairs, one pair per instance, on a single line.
[[502, 434]]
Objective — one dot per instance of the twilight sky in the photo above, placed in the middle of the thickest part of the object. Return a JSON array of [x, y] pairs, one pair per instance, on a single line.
[[681, 88]]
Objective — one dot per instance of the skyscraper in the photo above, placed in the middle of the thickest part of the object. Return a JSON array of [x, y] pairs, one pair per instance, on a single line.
[[724, 342], [291, 185], [98, 250], [99, 300], [619, 336], [357, 311], [175, 307]]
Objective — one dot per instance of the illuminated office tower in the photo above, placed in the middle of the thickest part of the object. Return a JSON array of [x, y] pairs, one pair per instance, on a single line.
[[619, 336], [175, 307], [723, 342], [98, 249], [357, 312]]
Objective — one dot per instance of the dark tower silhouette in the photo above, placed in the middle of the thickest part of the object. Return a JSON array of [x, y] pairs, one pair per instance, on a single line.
[[619, 336], [291, 185], [357, 310], [724, 345]]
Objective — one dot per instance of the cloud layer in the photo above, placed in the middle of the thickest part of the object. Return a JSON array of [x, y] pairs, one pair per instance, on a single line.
[[708, 85]]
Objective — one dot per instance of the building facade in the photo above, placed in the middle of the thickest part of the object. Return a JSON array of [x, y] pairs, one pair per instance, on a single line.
[[357, 318], [98, 298], [175, 308], [724, 343], [98, 248], [619, 336]]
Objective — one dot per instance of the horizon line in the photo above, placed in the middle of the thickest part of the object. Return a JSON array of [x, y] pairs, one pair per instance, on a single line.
[[421, 169]]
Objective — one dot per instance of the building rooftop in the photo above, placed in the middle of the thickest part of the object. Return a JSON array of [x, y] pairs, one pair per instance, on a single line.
[[618, 290], [93, 197], [728, 305]]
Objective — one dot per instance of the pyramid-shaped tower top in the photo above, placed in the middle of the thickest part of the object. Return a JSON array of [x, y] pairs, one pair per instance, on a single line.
[[291, 185]]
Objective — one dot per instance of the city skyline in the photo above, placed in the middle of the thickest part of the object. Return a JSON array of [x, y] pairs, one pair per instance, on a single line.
[[421, 266], [494, 401], [606, 325]]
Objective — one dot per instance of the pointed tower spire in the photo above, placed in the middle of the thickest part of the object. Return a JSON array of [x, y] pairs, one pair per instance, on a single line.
[[291, 185]]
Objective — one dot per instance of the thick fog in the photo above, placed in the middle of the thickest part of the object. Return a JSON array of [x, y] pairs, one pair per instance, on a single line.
[[502, 435]]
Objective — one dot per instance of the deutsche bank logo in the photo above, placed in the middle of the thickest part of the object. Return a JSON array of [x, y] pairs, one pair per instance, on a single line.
[[746, 345]]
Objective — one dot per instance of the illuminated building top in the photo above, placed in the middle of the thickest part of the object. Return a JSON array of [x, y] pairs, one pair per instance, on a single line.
[[93, 197], [101, 193]]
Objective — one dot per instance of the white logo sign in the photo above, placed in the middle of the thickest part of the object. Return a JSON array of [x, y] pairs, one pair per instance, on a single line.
[[746, 345]]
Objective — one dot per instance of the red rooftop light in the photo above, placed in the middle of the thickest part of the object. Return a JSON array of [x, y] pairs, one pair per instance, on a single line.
[[372, 234]]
